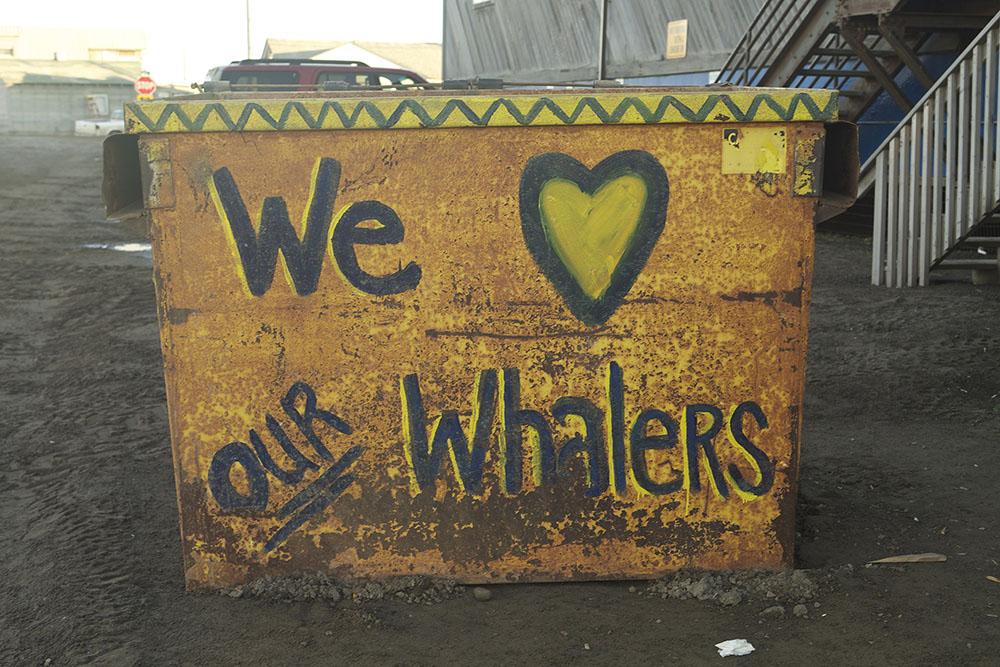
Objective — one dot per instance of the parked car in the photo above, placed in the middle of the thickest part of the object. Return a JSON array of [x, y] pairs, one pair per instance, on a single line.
[[101, 127], [299, 74]]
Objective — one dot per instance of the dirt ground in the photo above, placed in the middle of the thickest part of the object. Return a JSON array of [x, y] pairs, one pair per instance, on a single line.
[[900, 455]]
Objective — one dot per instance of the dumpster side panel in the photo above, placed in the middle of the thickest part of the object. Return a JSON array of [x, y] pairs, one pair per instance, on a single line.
[[418, 386]]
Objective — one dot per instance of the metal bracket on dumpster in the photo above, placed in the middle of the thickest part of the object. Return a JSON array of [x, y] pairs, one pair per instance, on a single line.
[[477, 83], [157, 173], [214, 87], [838, 170], [137, 176], [121, 189]]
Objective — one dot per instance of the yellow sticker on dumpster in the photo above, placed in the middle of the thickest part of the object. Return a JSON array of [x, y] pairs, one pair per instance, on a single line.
[[491, 354], [754, 150]]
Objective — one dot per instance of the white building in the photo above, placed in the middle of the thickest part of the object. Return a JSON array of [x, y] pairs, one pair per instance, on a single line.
[[92, 44], [422, 58]]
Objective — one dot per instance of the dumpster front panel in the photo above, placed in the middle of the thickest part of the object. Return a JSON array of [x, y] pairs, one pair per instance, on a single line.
[[489, 354]]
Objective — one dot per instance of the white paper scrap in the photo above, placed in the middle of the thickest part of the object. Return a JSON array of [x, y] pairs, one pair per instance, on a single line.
[[734, 647]]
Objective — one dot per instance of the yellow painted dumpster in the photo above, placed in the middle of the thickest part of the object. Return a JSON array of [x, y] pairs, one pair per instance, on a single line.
[[497, 336]]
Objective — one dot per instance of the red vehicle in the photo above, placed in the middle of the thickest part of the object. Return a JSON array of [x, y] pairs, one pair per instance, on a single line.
[[295, 74]]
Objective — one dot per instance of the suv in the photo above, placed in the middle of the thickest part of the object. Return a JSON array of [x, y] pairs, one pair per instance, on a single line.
[[300, 74]]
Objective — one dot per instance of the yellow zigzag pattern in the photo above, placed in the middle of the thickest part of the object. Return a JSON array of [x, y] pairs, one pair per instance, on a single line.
[[480, 111]]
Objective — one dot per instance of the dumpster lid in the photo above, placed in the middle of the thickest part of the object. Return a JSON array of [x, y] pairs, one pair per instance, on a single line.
[[240, 112]]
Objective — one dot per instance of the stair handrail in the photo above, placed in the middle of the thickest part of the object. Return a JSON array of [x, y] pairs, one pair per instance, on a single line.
[[747, 56], [936, 179], [739, 48], [918, 107]]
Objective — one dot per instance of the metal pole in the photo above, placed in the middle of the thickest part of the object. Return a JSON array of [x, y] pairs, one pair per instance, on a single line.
[[746, 57], [601, 71], [444, 40], [249, 55]]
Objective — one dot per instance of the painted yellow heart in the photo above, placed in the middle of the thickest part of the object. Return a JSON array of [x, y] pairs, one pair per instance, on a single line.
[[591, 233], [591, 230]]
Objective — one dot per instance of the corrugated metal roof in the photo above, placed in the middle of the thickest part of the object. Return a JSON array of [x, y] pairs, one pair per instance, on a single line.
[[13, 72], [549, 41], [421, 57]]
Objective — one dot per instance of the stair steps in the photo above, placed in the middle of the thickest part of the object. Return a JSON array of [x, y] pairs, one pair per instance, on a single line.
[[973, 242], [967, 264]]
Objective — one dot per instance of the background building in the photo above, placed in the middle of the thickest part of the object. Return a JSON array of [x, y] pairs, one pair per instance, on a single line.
[[91, 44], [50, 77], [553, 41], [48, 96], [422, 58]]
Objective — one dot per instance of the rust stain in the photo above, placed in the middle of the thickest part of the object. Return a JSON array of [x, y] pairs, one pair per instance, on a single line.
[[766, 183], [792, 297], [808, 171], [179, 315]]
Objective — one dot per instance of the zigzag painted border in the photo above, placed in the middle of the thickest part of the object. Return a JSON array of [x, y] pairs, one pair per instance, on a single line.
[[472, 111]]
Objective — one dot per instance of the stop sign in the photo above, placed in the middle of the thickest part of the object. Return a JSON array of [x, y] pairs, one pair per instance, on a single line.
[[145, 85]]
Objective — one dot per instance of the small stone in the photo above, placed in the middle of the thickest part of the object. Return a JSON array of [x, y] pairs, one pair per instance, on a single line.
[[586, 647], [800, 610], [482, 594], [777, 611], [730, 598], [328, 633], [631, 589], [48, 661], [700, 589]]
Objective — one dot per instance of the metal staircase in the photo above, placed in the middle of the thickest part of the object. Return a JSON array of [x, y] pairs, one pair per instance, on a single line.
[[936, 181], [898, 67], [859, 47]]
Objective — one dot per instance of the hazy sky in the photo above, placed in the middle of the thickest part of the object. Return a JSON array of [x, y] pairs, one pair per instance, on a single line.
[[185, 38]]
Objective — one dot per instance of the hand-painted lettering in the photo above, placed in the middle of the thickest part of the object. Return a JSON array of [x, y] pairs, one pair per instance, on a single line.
[[301, 463], [303, 259], [701, 442], [616, 428], [641, 442], [257, 462], [220, 480], [762, 465], [513, 419], [348, 234], [652, 431], [590, 444], [304, 419], [258, 250], [448, 436]]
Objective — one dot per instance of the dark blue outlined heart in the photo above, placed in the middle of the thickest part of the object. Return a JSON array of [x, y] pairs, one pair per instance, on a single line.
[[548, 244]]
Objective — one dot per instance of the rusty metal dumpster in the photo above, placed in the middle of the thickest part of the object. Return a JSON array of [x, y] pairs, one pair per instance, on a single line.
[[489, 337]]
